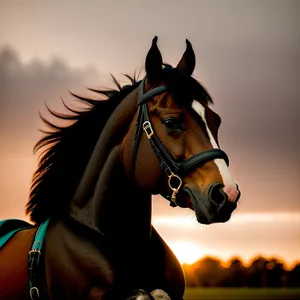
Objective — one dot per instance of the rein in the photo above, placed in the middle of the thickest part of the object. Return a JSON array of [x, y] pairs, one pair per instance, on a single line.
[[173, 169]]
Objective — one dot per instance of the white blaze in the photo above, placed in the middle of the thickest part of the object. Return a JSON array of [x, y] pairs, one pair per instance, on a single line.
[[230, 187]]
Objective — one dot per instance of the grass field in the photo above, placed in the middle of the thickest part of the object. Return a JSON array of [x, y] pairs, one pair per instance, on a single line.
[[242, 294]]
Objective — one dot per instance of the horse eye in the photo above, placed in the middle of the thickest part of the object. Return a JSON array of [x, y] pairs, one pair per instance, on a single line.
[[171, 123]]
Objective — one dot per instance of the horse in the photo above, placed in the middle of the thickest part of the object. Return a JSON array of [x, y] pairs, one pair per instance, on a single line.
[[91, 235]]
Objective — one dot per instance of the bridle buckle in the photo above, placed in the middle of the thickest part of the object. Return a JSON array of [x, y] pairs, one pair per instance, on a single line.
[[148, 129]]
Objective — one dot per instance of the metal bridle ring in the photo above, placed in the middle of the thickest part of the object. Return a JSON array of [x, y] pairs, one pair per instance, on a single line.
[[175, 190]]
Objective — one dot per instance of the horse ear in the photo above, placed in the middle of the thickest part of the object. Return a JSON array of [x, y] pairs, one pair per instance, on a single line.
[[153, 62], [188, 60]]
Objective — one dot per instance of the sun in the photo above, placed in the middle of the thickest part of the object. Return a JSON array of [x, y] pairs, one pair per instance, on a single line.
[[186, 252]]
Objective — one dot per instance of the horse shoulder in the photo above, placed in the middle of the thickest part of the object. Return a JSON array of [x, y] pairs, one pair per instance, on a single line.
[[14, 266], [165, 262]]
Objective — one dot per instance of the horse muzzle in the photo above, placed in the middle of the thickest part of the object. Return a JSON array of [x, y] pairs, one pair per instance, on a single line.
[[211, 205]]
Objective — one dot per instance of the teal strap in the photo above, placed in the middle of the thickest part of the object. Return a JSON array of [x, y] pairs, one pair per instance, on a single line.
[[6, 237], [40, 236], [34, 259], [9, 227]]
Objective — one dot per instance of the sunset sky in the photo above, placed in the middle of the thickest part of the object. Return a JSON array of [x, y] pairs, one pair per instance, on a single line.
[[248, 56]]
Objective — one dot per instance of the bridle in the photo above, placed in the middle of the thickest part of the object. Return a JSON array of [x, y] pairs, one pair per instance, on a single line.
[[174, 170]]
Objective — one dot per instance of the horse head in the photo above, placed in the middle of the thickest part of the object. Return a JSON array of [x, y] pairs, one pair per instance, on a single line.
[[172, 144]]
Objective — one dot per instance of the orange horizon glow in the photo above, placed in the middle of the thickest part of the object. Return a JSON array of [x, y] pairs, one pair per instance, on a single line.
[[188, 251], [190, 257]]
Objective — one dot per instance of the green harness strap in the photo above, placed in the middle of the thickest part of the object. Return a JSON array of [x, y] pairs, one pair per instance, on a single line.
[[34, 259], [10, 227]]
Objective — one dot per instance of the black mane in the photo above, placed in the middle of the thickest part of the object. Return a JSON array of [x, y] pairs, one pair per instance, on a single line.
[[66, 150]]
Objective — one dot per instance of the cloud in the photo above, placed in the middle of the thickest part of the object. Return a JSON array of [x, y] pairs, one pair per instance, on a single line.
[[25, 88]]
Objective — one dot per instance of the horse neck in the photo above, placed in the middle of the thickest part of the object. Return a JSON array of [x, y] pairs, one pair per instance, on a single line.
[[107, 200]]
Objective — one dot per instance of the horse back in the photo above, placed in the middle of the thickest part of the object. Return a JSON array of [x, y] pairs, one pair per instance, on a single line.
[[14, 282]]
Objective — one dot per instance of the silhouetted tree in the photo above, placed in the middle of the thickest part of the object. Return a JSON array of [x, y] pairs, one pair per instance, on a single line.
[[257, 273], [293, 278], [189, 273], [209, 272], [275, 273], [236, 274]]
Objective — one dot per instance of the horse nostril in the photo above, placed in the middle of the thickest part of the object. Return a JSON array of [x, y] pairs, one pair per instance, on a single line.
[[216, 193]]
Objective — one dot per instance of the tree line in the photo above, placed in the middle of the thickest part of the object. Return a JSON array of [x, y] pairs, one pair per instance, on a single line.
[[262, 272]]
